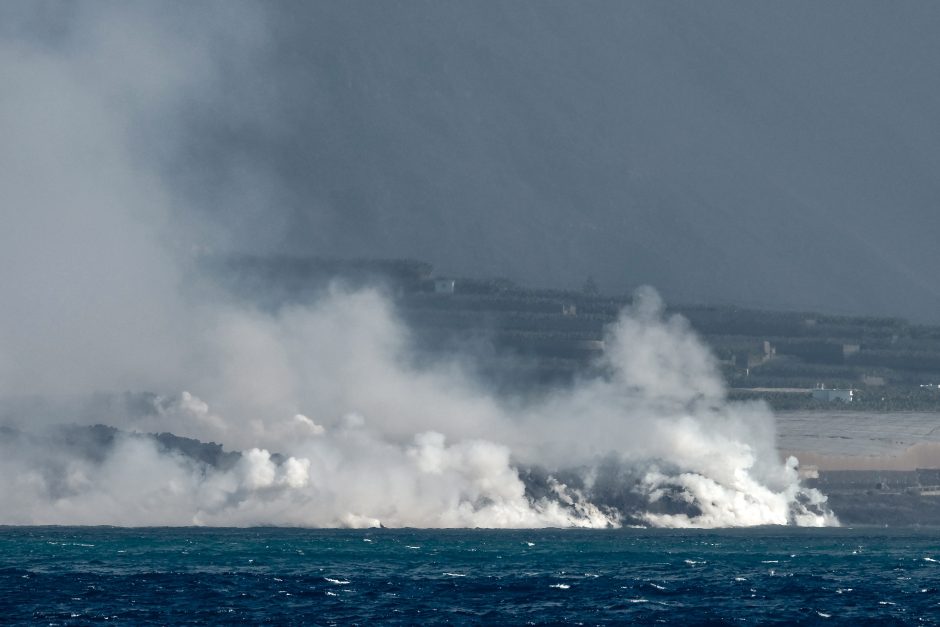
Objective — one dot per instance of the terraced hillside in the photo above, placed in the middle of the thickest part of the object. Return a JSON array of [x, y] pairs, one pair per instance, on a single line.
[[521, 337]]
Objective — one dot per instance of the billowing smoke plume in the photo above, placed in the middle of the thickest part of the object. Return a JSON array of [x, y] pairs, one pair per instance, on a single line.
[[339, 428], [324, 416]]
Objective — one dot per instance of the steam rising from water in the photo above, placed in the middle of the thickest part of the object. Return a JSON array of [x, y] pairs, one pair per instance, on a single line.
[[362, 437], [336, 423]]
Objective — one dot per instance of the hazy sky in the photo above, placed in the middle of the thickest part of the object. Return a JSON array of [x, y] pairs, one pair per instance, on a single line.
[[733, 154], [768, 154]]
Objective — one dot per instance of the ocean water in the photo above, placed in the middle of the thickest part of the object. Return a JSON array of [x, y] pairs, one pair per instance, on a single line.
[[72, 576]]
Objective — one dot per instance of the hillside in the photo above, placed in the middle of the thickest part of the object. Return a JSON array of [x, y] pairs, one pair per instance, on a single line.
[[522, 338]]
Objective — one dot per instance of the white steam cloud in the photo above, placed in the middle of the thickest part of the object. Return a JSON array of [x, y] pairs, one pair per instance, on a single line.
[[363, 438], [336, 424]]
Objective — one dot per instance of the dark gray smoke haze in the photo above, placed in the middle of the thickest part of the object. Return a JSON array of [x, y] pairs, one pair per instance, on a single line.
[[770, 154], [778, 155]]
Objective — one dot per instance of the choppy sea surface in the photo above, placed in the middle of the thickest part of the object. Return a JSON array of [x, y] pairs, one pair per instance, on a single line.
[[74, 575]]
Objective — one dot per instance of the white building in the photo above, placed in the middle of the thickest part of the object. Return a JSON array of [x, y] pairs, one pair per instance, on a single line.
[[821, 393]]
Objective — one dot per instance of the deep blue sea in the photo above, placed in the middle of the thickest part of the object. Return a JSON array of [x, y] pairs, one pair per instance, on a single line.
[[73, 575]]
